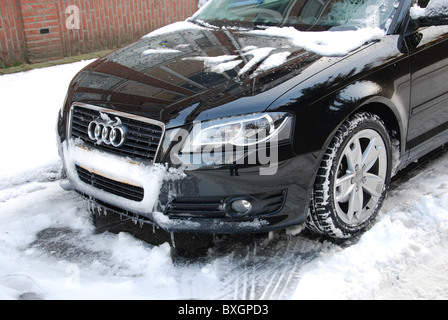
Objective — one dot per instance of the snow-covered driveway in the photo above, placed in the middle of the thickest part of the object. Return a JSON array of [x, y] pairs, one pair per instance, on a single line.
[[49, 248]]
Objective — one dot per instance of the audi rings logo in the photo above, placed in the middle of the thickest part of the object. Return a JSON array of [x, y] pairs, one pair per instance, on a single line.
[[113, 134]]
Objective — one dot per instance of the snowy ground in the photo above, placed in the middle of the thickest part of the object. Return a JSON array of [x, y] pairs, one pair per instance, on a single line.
[[49, 248]]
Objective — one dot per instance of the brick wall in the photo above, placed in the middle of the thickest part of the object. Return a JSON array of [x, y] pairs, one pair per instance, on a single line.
[[40, 30], [11, 34], [40, 20]]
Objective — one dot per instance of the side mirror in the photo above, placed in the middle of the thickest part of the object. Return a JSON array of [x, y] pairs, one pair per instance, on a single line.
[[435, 14]]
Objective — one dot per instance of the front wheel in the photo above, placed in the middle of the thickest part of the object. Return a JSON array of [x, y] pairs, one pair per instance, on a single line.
[[352, 179]]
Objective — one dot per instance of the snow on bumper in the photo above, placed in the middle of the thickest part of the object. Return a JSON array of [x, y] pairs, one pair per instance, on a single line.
[[147, 177]]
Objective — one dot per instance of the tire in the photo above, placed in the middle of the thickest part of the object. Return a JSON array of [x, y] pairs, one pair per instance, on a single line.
[[352, 179]]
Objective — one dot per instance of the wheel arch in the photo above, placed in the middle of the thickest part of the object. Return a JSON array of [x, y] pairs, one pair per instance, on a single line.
[[392, 117], [395, 126], [387, 116]]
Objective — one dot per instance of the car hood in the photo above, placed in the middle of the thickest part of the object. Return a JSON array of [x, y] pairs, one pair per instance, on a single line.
[[193, 73]]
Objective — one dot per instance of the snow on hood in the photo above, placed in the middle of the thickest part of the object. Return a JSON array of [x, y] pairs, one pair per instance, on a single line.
[[326, 43], [219, 64], [159, 51], [173, 28], [263, 55]]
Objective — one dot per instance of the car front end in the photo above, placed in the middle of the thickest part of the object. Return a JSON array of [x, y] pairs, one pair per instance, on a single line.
[[191, 128]]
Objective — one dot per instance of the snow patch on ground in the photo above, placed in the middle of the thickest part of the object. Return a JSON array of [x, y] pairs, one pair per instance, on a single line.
[[30, 102]]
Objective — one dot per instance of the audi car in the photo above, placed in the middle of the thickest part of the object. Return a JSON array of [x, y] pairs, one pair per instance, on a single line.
[[260, 115]]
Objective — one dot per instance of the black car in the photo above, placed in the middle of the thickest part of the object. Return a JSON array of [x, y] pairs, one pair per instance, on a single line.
[[258, 115]]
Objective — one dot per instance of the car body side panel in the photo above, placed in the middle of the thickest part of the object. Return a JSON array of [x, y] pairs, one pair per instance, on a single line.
[[428, 126]]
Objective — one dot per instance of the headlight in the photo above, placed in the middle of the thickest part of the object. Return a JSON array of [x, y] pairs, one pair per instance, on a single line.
[[239, 131]]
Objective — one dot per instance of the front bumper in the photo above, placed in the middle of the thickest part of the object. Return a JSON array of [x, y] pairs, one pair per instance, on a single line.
[[196, 201]]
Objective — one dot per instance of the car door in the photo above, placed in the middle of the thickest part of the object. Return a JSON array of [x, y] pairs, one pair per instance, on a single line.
[[428, 123]]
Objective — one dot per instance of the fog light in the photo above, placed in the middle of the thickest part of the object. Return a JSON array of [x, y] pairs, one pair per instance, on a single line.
[[241, 206]]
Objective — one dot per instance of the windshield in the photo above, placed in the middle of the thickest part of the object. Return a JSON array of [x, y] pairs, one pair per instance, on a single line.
[[303, 14]]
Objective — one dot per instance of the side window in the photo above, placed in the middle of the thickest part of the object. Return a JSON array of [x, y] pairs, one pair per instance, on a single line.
[[423, 3]]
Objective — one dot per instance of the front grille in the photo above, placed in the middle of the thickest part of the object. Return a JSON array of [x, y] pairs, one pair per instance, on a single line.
[[214, 207], [111, 186], [143, 138]]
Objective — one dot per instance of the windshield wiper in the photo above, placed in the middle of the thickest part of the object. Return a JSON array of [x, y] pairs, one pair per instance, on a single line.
[[230, 24], [259, 25], [204, 24]]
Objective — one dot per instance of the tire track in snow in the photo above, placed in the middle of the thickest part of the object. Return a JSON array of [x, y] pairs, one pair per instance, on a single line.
[[266, 269]]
